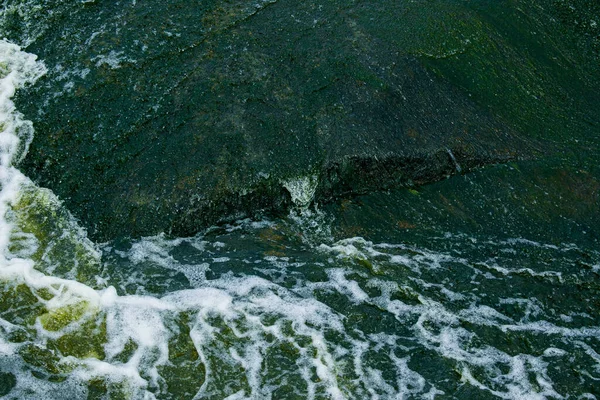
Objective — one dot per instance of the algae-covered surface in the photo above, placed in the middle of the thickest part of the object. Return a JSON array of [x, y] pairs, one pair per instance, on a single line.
[[202, 115], [299, 200]]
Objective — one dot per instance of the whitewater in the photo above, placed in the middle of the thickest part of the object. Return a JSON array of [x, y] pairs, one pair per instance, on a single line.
[[278, 308]]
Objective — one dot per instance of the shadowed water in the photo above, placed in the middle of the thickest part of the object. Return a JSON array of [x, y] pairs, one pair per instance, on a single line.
[[481, 286]]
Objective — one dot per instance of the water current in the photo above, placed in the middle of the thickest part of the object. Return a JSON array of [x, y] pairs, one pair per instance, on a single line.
[[279, 308]]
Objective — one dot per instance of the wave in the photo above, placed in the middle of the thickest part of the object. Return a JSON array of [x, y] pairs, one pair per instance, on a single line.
[[277, 308]]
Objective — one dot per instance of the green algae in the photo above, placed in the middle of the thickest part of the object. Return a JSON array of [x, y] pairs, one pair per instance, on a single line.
[[104, 388], [4, 71], [84, 339], [247, 95], [128, 351], [59, 318], [23, 306], [524, 64], [61, 246], [19, 304], [45, 232], [42, 358], [185, 372], [85, 342]]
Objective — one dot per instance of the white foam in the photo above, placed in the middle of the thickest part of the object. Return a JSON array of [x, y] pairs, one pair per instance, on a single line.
[[259, 313], [113, 59], [236, 320], [337, 278], [302, 189], [16, 132], [439, 328], [20, 69]]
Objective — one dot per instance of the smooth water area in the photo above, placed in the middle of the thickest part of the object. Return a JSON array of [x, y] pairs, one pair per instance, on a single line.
[[280, 308]]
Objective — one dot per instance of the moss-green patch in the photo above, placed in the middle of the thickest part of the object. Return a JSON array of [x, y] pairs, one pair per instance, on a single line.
[[525, 65], [373, 269], [21, 305], [18, 304], [183, 379], [86, 342], [128, 350], [4, 70], [41, 357], [61, 246], [57, 319], [44, 293], [102, 388]]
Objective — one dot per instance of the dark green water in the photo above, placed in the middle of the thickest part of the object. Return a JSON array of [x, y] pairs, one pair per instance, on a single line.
[[482, 285], [279, 309]]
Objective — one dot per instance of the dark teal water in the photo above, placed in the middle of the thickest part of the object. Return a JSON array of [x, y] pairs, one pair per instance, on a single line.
[[481, 286], [281, 309]]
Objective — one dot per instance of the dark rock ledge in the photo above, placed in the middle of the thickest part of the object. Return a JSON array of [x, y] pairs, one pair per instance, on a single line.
[[171, 116]]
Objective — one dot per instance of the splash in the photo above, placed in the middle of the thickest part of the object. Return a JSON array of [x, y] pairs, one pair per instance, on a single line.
[[278, 309], [302, 189]]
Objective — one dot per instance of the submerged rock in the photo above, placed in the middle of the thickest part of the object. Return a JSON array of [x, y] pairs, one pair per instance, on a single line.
[[168, 116]]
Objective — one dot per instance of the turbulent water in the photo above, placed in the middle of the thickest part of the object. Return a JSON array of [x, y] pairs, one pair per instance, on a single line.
[[280, 308]]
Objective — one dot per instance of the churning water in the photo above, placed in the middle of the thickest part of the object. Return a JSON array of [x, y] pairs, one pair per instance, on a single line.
[[279, 309]]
